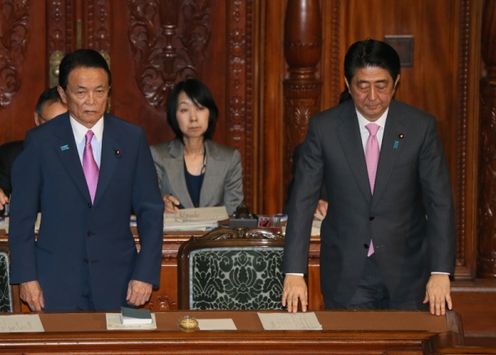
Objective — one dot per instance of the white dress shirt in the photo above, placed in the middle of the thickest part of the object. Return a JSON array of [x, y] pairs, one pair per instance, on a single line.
[[79, 132]]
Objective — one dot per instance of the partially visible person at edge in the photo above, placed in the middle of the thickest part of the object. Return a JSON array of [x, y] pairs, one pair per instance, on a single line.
[[193, 170], [387, 241], [86, 172], [48, 106]]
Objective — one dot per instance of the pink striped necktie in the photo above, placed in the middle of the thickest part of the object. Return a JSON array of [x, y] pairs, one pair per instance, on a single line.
[[372, 160], [90, 168]]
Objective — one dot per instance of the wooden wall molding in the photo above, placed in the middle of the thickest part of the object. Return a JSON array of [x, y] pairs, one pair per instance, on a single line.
[[487, 169], [241, 34], [302, 87], [97, 21], [464, 157], [14, 23]]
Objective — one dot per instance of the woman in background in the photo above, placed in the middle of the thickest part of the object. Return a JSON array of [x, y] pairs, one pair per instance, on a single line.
[[194, 171]]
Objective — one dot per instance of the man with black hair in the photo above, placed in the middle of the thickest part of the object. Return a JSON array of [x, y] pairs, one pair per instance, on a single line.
[[86, 172], [387, 241]]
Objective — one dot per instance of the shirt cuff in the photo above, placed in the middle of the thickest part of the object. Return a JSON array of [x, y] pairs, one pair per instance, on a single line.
[[439, 273], [294, 274]]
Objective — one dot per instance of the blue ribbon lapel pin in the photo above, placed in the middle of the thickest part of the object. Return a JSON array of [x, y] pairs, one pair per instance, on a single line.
[[64, 147], [396, 143]]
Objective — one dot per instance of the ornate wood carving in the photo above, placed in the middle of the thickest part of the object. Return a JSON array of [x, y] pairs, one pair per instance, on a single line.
[[98, 35], [487, 166], [168, 39], [13, 38], [60, 22], [302, 48], [240, 27]]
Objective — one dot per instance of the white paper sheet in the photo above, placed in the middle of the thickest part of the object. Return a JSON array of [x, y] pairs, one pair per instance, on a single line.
[[21, 323], [216, 324], [290, 321]]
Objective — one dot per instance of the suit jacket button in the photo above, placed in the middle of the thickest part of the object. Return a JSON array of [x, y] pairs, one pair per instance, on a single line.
[[89, 205], [366, 246], [371, 218]]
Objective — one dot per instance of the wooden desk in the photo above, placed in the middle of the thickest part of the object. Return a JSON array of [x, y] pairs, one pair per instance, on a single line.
[[343, 332], [473, 300]]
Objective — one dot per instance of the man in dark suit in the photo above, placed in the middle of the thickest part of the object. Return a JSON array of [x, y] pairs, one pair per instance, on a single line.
[[48, 106], [387, 241], [86, 172]]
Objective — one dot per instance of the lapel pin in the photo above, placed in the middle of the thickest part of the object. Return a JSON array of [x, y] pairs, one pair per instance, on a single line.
[[396, 144], [64, 147], [117, 152], [401, 135]]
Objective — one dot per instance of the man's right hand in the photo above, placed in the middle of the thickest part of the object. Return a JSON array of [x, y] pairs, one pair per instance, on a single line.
[[294, 292], [4, 199], [32, 294]]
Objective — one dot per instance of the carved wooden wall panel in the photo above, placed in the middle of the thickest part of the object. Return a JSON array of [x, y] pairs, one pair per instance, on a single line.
[[487, 168], [22, 64]]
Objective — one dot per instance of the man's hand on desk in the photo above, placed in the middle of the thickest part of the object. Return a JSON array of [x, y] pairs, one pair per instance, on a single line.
[[437, 294], [138, 292], [294, 291], [32, 294]]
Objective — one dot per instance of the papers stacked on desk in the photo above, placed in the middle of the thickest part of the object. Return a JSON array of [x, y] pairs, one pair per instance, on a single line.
[[194, 219]]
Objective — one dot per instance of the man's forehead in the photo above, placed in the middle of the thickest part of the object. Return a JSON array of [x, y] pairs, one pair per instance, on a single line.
[[372, 74]]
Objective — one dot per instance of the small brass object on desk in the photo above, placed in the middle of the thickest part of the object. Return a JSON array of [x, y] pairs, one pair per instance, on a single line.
[[188, 324]]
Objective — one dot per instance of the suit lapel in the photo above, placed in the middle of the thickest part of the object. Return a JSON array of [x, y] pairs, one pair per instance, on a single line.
[[390, 149], [351, 142], [67, 151], [111, 153]]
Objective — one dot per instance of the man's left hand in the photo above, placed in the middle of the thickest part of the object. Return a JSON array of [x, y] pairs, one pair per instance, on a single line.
[[138, 292], [437, 294]]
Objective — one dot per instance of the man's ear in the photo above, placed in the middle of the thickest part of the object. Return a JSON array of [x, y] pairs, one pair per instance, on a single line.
[[36, 119], [62, 95], [397, 82], [347, 85]]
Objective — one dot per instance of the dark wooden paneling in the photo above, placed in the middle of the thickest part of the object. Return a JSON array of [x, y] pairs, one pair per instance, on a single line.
[[22, 68]]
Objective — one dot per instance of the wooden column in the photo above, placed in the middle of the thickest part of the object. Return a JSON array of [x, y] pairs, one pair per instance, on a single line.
[[487, 166], [302, 50]]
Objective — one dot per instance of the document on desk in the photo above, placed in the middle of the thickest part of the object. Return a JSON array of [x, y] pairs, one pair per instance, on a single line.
[[290, 321], [21, 323], [191, 219], [216, 324], [114, 323]]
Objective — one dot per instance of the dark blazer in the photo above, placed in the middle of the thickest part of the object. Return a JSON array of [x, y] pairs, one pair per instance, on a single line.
[[409, 217], [78, 241], [8, 153], [223, 181]]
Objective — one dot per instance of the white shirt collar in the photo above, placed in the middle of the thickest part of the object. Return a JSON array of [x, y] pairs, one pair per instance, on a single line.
[[79, 130], [362, 121]]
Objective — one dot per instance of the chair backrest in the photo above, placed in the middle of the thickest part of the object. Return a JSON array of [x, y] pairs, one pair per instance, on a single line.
[[5, 289], [231, 269]]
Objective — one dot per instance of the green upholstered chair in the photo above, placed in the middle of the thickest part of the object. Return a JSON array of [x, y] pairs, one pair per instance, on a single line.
[[231, 269], [5, 289]]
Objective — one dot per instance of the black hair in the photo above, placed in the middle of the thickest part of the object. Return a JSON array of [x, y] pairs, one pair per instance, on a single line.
[[371, 53], [201, 96], [88, 58], [49, 95]]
